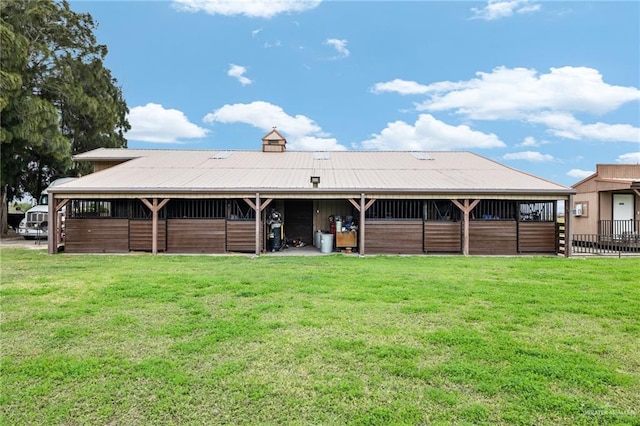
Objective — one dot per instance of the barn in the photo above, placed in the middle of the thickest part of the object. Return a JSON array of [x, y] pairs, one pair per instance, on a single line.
[[225, 201]]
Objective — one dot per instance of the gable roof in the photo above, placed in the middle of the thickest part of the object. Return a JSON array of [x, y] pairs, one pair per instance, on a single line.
[[210, 172], [273, 135]]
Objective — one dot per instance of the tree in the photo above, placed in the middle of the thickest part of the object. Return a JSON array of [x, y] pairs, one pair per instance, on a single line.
[[57, 98]]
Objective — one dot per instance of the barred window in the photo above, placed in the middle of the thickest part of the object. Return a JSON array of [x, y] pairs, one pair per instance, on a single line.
[[443, 210], [240, 210], [536, 211], [139, 210], [494, 210], [395, 209], [81, 209], [196, 209]]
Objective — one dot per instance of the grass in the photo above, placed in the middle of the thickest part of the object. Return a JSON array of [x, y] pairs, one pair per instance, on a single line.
[[318, 340]]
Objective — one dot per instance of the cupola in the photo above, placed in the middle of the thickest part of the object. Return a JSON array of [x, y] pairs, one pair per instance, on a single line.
[[274, 142]]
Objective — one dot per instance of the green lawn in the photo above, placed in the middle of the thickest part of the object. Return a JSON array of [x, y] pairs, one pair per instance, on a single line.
[[318, 340]]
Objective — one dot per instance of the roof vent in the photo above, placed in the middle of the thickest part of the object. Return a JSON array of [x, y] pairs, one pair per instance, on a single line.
[[422, 156], [220, 155], [321, 155]]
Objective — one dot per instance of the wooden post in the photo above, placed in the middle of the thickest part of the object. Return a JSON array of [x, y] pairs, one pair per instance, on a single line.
[[154, 227], [361, 228], [155, 208], [258, 217], [58, 228], [52, 247], [466, 209], [258, 206], [54, 225], [568, 225]]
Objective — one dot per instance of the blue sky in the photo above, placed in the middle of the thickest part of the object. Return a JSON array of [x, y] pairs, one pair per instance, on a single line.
[[550, 88]]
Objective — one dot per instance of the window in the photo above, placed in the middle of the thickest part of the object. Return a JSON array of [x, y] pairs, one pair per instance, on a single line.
[[443, 210], [494, 210], [537, 212], [81, 209], [395, 209], [240, 210], [196, 209]]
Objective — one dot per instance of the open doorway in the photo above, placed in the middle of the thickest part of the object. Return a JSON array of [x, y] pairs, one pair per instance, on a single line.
[[298, 220]]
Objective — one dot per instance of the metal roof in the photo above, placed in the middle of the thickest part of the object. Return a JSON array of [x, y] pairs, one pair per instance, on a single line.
[[341, 171]]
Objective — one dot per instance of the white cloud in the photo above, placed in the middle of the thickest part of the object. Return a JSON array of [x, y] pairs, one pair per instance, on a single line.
[[237, 72], [340, 46], [256, 32], [579, 174], [267, 45], [529, 141], [153, 123], [629, 158], [532, 156], [513, 93], [313, 143], [522, 94], [250, 8], [301, 132], [496, 9], [566, 126], [428, 133], [402, 87]]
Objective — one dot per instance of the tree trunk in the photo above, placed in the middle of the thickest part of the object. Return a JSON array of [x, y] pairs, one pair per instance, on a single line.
[[4, 207]]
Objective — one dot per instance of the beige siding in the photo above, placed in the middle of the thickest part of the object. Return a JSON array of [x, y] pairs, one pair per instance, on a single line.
[[325, 208], [619, 171], [588, 222]]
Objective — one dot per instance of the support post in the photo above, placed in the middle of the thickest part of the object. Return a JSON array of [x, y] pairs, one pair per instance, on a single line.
[[155, 207], [52, 247], [361, 228], [568, 227], [466, 209], [258, 217], [54, 223]]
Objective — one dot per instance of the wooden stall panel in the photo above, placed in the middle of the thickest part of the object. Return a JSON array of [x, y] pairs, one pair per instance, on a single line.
[[141, 232], [241, 235], [97, 236], [537, 237], [442, 237], [393, 236], [493, 237], [196, 235]]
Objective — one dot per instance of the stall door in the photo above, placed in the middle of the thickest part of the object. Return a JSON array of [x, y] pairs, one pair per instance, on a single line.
[[623, 214]]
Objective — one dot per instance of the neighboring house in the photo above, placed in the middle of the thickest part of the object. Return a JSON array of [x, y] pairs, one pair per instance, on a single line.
[[607, 203], [219, 201]]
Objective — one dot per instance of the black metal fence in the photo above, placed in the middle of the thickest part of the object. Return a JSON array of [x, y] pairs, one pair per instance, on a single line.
[[619, 227], [606, 243]]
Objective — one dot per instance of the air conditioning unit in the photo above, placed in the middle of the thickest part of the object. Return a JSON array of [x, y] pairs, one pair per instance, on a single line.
[[578, 210]]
